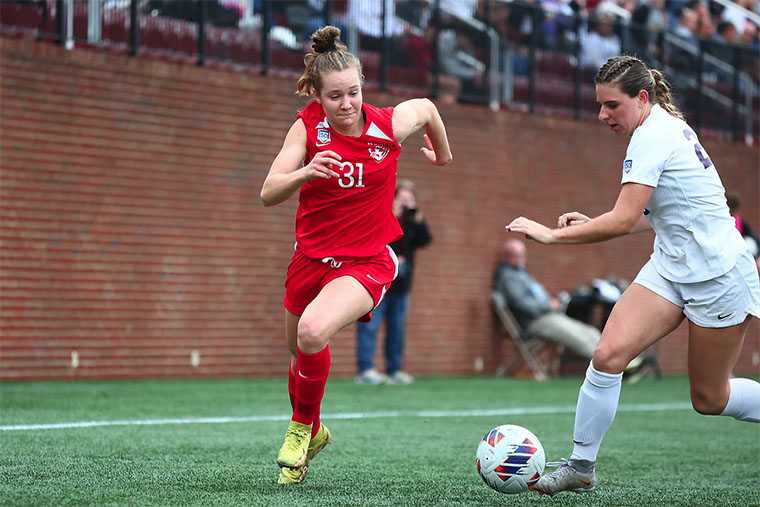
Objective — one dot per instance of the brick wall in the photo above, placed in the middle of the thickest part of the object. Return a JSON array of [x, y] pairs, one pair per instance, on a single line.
[[134, 243]]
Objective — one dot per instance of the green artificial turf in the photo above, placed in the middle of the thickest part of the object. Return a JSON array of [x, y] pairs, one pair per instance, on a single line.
[[214, 442]]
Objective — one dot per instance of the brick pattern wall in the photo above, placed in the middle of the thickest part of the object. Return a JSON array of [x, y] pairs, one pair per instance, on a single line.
[[134, 243]]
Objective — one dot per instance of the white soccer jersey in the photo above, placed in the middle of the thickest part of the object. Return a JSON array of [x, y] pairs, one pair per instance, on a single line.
[[696, 237]]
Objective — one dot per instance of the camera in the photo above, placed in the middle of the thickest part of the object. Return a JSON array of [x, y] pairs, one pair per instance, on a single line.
[[409, 213]]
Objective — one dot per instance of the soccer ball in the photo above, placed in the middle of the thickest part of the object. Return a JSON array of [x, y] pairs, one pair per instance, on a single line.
[[510, 459]]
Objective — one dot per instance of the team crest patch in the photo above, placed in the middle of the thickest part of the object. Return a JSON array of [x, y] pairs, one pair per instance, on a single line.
[[378, 152], [323, 137], [627, 166]]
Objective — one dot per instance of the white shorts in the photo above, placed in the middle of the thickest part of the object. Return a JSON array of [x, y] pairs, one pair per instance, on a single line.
[[719, 302]]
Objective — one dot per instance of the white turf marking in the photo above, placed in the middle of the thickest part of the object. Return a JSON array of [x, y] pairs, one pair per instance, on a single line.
[[655, 407]]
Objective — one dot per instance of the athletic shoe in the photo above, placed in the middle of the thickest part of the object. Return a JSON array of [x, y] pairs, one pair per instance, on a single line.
[[400, 378], [371, 377], [293, 451], [566, 478], [296, 475]]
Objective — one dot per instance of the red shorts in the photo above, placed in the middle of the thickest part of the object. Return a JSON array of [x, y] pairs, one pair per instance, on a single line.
[[307, 277]]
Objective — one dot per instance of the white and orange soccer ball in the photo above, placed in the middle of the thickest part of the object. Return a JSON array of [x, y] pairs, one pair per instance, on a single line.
[[510, 459]]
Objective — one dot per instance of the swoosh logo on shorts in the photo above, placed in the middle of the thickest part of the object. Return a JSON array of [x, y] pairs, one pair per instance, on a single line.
[[723, 317], [370, 277]]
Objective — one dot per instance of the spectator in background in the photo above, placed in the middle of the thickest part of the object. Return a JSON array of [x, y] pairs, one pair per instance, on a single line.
[[367, 17], [394, 307], [705, 25], [749, 35], [456, 50], [750, 50], [725, 33], [723, 47], [536, 311], [600, 43], [736, 14], [683, 57], [526, 18], [648, 22]]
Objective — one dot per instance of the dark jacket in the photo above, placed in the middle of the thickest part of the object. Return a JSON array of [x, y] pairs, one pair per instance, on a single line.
[[416, 235]]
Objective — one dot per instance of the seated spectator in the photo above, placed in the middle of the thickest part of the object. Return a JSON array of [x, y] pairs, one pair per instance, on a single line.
[[536, 311], [723, 47], [705, 25], [600, 44], [456, 51]]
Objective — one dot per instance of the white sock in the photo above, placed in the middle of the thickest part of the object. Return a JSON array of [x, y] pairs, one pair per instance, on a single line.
[[743, 400], [597, 404]]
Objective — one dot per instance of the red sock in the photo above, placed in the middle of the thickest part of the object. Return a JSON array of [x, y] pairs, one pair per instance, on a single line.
[[292, 392], [311, 376], [292, 386]]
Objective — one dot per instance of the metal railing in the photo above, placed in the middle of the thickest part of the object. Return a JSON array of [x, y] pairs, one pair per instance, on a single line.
[[508, 53]]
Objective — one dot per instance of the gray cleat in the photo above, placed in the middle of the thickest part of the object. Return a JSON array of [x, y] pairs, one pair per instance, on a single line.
[[565, 478]]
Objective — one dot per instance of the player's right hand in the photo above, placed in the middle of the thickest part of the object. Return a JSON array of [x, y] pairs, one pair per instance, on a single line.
[[321, 166], [571, 218]]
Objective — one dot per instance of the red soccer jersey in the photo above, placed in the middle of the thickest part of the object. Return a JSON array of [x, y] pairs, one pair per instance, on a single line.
[[350, 216]]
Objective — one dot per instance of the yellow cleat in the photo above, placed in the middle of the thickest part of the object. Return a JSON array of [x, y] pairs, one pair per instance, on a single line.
[[296, 475], [293, 451]]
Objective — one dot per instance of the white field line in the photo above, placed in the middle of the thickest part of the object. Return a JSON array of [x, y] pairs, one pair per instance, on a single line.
[[656, 407]]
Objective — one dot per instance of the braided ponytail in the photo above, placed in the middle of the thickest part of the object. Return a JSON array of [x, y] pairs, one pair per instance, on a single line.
[[329, 55], [662, 94], [631, 75]]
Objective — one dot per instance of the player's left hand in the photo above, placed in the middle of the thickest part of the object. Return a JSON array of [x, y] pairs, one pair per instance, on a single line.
[[532, 230], [571, 218], [429, 152]]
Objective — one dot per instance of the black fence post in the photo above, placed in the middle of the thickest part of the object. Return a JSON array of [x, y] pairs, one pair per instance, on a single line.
[[202, 16], [735, 93], [577, 71], [133, 42], [326, 6], [534, 28], [436, 67], [386, 53], [265, 28], [698, 99], [60, 23]]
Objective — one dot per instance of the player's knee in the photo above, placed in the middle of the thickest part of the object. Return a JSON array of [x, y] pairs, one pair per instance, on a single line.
[[706, 402], [608, 360], [312, 335]]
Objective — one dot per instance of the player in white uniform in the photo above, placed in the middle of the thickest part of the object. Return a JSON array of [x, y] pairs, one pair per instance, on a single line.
[[700, 268]]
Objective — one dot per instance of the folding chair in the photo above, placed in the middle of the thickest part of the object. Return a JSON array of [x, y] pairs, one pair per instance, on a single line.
[[529, 346]]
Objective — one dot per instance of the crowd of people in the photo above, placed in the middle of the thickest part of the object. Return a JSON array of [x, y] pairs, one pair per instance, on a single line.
[[414, 32]]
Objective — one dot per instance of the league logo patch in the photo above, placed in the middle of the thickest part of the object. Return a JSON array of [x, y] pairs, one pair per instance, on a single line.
[[323, 137], [378, 152], [627, 165]]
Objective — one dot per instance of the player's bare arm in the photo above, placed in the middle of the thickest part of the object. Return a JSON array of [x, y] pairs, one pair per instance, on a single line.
[[414, 114], [623, 219], [286, 175]]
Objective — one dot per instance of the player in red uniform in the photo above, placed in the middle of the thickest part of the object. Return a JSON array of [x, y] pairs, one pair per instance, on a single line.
[[342, 154]]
